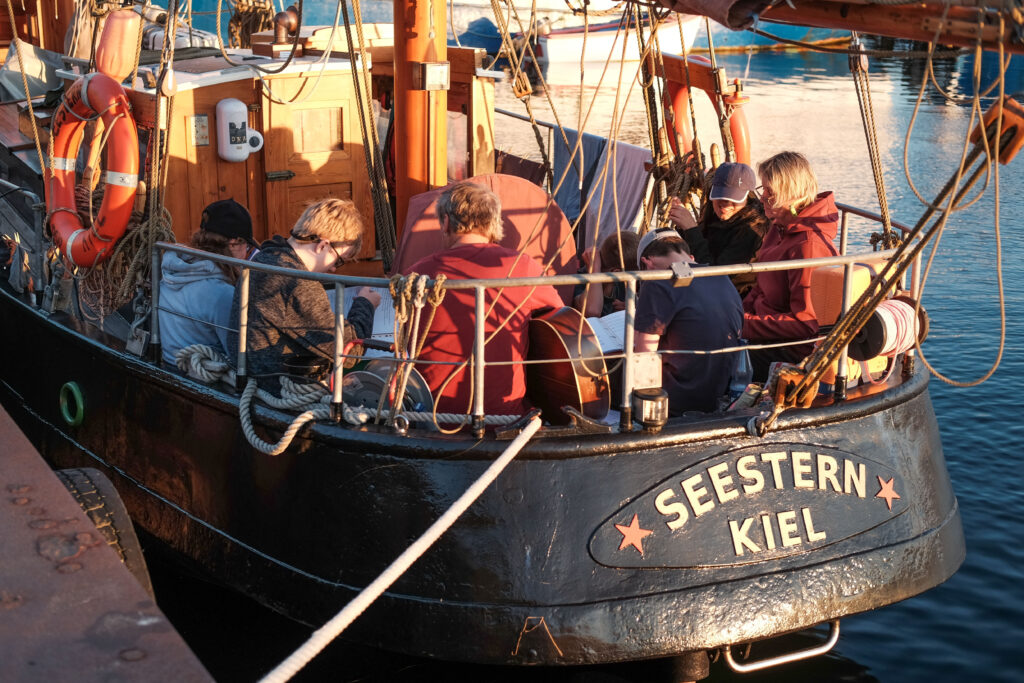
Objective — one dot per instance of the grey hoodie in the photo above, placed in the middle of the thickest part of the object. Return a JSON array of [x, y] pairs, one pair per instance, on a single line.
[[197, 288]]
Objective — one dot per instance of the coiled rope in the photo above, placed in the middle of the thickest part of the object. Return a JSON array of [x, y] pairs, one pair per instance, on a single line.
[[202, 362], [899, 326]]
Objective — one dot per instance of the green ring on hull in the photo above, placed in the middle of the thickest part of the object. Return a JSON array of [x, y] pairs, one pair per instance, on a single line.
[[71, 393]]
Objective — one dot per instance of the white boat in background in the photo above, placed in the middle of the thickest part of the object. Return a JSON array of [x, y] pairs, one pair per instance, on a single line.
[[610, 39]]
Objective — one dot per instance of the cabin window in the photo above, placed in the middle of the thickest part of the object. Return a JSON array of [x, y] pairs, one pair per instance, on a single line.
[[320, 130]]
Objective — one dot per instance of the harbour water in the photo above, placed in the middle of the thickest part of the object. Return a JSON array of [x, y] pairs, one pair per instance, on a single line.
[[970, 628]]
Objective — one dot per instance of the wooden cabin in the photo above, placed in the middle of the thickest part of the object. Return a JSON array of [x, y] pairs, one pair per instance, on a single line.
[[312, 141]]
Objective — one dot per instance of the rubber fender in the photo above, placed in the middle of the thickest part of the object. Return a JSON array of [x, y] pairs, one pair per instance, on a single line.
[[98, 498]]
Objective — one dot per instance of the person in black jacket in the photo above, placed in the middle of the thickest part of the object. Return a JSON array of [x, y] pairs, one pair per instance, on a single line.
[[731, 230], [292, 317]]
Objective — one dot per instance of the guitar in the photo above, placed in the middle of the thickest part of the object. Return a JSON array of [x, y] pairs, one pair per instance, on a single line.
[[579, 380]]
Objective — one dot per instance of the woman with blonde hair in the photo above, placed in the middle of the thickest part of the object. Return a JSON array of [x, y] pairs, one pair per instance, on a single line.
[[803, 224]]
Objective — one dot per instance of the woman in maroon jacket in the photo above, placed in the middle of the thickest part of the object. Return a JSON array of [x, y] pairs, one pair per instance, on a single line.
[[804, 223]]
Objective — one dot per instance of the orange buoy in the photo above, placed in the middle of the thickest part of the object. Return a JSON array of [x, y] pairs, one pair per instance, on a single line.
[[92, 96], [115, 52]]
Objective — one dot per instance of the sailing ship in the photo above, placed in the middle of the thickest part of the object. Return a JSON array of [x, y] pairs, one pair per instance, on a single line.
[[603, 540]]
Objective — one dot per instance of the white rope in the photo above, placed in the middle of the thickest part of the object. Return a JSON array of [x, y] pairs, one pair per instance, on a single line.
[[289, 434], [323, 636], [204, 363]]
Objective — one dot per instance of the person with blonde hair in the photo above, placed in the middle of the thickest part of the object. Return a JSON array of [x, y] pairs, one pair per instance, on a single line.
[[470, 223], [804, 223], [293, 317]]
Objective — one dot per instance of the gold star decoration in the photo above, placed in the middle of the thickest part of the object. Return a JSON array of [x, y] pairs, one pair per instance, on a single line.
[[633, 535], [886, 491]]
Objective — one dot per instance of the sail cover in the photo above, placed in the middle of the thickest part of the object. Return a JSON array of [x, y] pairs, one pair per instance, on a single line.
[[736, 14]]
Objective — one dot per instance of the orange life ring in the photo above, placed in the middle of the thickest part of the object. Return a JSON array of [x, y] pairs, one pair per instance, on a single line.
[[92, 96], [702, 77]]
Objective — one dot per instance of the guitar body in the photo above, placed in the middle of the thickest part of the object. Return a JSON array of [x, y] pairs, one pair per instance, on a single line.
[[578, 379]]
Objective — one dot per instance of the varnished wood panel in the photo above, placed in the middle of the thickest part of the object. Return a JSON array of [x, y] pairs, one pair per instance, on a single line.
[[316, 136], [196, 175]]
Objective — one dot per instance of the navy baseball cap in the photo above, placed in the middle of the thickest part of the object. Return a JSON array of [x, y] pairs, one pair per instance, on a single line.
[[732, 182], [228, 218]]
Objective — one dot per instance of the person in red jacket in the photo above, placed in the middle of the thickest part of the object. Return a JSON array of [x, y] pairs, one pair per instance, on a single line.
[[803, 224], [470, 222]]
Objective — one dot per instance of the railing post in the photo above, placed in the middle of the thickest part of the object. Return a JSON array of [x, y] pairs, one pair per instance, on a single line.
[[38, 258], [155, 353], [839, 392], [243, 327], [339, 347], [626, 414], [478, 362]]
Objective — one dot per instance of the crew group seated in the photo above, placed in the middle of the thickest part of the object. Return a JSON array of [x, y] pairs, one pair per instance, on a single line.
[[196, 293], [291, 316], [804, 223], [470, 224], [705, 315]]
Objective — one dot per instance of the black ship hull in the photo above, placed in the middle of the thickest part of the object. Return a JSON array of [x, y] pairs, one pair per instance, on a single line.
[[598, 548]]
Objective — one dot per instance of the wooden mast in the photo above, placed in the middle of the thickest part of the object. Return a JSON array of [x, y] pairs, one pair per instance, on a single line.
[[421, 122]]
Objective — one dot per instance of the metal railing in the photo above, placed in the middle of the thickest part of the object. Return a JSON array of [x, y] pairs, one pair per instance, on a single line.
[[683, 273]]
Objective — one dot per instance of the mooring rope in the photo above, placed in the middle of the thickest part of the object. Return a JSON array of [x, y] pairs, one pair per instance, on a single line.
[[323, 636]]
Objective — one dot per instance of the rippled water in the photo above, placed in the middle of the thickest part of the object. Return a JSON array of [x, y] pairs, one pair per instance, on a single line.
[[970, 628]]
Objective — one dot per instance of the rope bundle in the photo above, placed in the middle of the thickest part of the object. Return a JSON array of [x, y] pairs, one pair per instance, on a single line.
[[900, 326], [893, 328], [204, 363]]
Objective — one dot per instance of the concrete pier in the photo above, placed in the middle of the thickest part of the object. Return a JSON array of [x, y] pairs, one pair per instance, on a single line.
[[69, 609]]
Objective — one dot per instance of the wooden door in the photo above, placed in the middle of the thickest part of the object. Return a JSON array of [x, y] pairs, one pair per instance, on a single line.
[[313, 149]]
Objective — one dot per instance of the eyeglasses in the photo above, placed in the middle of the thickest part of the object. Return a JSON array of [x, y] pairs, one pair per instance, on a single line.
[[344, 246], [335, 246]]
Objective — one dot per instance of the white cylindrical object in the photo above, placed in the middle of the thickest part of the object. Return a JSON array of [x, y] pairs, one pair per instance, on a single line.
[[235, 140]]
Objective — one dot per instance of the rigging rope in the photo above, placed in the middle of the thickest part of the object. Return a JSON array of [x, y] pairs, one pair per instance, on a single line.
[[384, 220], [862, 84]]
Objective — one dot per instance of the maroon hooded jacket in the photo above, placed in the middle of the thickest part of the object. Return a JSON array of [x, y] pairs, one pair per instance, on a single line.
[[779, 306]]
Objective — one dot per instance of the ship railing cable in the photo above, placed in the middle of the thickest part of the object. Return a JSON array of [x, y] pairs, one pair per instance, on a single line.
[[476, 418], [323, 636]]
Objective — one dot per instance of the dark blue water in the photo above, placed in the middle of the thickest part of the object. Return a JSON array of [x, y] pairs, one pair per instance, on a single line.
[[972, 627]]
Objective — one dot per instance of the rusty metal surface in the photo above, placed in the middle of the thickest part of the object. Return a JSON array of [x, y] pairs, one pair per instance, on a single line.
[[69, 610]]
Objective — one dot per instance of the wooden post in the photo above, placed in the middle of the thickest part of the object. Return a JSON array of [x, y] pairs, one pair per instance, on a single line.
[[421, 122]]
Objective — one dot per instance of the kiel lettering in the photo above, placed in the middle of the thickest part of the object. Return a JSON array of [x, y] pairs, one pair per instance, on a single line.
[[769, 531]]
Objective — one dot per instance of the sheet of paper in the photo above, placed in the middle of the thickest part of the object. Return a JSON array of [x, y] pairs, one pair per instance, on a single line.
[[609, 331], [383, 317]]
